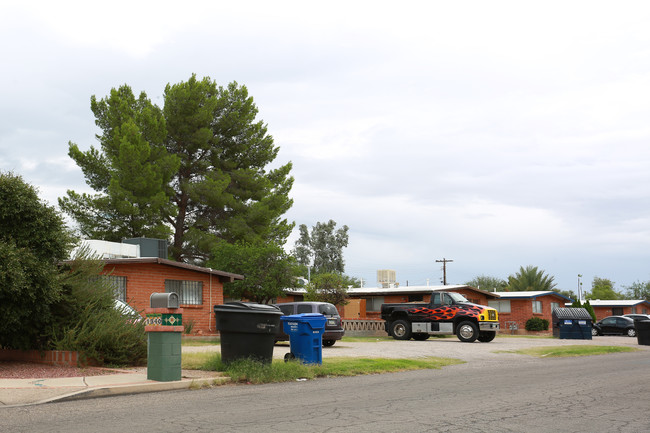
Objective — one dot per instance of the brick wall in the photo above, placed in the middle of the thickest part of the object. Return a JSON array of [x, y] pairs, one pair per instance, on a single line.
[[63, 358], [143, 279], [522, 309]]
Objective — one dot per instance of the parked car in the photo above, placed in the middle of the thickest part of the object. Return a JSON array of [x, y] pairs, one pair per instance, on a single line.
[[614, 325], [636, 317], [127, 311], [333, 327]]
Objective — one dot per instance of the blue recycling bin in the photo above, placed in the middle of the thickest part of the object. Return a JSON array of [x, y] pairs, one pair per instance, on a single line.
[[305, 333]]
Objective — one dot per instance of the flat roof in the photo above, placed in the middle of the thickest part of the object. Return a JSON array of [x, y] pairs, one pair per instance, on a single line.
[[230, 277], [405, 290], [616, 302], [529, 294]]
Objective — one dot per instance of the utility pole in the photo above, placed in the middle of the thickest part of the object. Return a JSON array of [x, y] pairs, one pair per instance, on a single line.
[[444, 269]]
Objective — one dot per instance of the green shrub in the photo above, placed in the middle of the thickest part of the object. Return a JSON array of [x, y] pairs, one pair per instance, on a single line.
[[536, 324], [88, 322]]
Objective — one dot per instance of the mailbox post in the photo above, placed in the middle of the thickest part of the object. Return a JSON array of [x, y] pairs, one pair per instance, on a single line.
[[164, 325]]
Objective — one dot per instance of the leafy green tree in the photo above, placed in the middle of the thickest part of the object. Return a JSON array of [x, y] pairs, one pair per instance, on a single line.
[[207, 180], [530, 279], [33, 240], [638, 290], [488, 283], [267, 270], [328, 287], [324, 246], [603, 288], [131, 172]]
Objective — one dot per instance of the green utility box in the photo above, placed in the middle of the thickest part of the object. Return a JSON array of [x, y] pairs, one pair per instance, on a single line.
[[164, 327]]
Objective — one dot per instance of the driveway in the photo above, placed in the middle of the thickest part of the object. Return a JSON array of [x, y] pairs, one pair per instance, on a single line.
[[498, 350]]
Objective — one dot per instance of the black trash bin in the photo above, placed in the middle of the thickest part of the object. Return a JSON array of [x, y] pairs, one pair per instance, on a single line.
[[247, 330], [643, 331]]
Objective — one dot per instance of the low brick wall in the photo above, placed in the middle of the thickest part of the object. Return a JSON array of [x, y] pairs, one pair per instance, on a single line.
[[64, 358], [364, 328]]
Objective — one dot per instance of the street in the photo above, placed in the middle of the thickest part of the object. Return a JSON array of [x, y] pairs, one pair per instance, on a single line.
[[586, 394]]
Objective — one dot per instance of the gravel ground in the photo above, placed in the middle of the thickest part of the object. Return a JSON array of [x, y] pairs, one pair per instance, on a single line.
[[32, 370], [496, 351]]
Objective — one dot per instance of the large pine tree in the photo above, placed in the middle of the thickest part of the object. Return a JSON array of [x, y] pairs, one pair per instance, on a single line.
[[195, 171]]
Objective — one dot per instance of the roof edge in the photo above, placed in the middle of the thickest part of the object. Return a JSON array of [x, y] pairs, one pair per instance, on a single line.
[[224, 276]]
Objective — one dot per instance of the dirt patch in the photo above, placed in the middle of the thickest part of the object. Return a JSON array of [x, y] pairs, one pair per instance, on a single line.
[[31, 370]]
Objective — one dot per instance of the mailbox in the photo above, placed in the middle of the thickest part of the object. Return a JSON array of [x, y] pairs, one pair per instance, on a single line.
[[164, 300]]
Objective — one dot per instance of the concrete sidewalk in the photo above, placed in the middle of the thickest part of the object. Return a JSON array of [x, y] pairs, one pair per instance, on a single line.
[[18, 392]]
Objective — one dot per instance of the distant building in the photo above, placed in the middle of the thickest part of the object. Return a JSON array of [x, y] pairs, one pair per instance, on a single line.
[[515, 308], [604, 308]]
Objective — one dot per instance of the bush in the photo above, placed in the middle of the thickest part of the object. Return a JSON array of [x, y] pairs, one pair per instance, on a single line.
[[536, 324], [33, 239], [88, 322]]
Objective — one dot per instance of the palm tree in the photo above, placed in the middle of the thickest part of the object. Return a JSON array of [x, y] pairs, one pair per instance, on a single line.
[[530, 279]]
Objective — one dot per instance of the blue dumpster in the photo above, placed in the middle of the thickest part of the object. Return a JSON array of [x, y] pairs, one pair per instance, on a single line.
[[305, 333], [572, 323]]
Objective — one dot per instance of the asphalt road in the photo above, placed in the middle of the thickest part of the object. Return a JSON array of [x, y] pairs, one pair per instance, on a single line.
[[518, 394]]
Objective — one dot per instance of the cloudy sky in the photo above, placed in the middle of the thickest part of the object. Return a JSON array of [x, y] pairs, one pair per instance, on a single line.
[[496, 134]]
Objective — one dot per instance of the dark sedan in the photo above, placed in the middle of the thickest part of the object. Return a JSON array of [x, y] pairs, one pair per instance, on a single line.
[[636, 317], [614, 325]]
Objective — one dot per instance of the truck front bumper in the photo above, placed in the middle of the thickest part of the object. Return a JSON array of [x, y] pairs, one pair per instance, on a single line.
[[488, 326]]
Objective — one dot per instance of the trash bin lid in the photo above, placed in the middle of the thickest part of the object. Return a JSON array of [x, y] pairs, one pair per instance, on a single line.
[[571, 313], [304, 317], [247, 307]]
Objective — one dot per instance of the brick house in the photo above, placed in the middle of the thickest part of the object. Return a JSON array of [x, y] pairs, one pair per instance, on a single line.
[[199, 289], [604, 308], [515, 308]]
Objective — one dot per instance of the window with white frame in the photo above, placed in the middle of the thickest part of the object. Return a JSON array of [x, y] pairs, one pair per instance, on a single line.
[[189, 292], [554, 305], [502, 306], [537, 307]]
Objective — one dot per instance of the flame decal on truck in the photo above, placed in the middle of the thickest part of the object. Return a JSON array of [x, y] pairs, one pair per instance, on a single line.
[[447, 312]]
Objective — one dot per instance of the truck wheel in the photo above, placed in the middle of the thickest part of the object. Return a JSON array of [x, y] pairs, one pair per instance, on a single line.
[[467, 332], [401, 330], [420, 337], [487, 336], [328, 343]]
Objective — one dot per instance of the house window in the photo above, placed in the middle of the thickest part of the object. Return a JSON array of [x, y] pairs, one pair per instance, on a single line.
[[189, 292], [416, 298], [554, 305], [617, 311], [500, 306], [374, 303], [119, 286], [537, 307]]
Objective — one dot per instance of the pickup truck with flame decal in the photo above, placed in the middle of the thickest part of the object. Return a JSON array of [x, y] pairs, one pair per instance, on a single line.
[[448, 313]]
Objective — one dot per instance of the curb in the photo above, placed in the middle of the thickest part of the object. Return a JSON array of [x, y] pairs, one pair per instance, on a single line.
[[109, 391]]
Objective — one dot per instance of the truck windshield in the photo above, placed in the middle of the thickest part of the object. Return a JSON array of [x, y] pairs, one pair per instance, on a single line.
[[458, 298]]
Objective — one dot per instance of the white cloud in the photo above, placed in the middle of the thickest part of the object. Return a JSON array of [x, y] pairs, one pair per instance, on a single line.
[[497, 134]]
